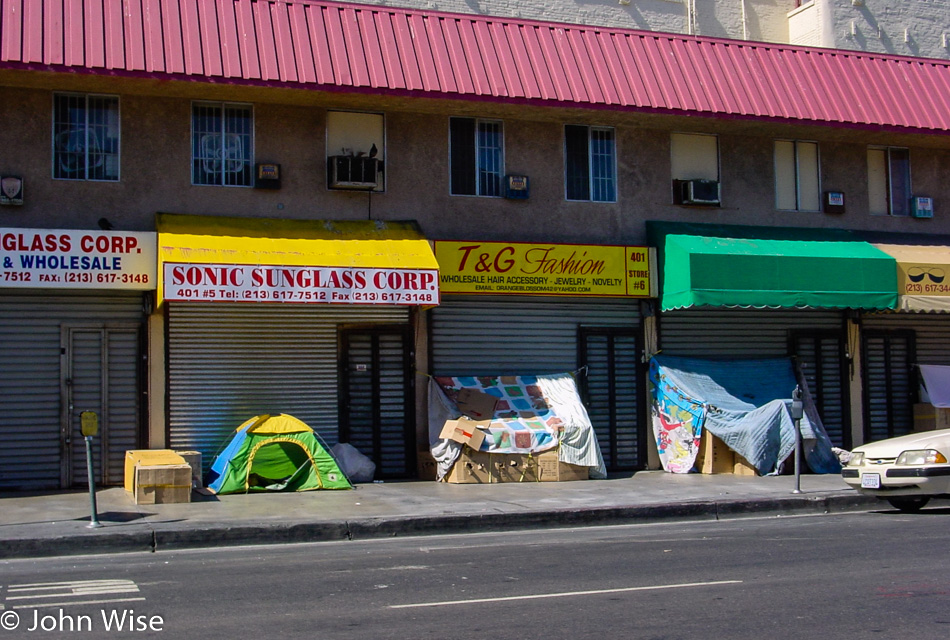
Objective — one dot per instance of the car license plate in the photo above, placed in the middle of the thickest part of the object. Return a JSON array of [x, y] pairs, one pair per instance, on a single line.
[[871, 481]]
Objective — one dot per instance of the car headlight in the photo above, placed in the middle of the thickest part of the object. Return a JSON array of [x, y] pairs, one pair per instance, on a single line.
[[856, 459], [922, 456]]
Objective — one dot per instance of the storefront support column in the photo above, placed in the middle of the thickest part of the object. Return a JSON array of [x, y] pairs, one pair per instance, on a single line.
[[156, 380], [856, 375]]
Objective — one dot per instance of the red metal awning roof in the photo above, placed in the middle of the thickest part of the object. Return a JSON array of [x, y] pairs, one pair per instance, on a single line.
[[332, 46]]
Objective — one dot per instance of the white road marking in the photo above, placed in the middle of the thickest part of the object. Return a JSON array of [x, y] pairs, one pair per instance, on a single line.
[[38, 594], [564, 594], [66, 604]]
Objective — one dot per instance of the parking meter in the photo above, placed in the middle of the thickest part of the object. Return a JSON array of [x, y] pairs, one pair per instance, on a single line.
[[797, 411], [89, 426]]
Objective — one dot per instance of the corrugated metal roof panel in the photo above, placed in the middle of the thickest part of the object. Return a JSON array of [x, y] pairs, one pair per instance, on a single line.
[[334, 46]]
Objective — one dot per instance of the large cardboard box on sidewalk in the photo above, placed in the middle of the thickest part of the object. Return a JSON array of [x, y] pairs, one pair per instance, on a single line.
[[928, 417], [550, 469], [157, 476], [714, 455], [162, 484], [147, 457], [477, 467], [472, 467]]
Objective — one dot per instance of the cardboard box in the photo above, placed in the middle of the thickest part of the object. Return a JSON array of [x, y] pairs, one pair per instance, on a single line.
[[514, 467], [928, 417], [162, 484], [465, 431], [472, 467], [426, 466], [550, 469], [743, 467], [714, 455], [193, 460], [475, 404], [147, 457]]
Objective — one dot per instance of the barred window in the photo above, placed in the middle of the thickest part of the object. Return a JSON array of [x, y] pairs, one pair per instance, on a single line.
[[476, 157], [590, 163], [222, 144], [85, 137]]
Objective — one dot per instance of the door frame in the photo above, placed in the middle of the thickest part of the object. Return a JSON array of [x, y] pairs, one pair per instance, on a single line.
[[610, 331], [66, 390], [409, 389]]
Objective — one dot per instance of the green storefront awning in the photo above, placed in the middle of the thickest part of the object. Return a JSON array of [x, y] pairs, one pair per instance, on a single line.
[[730, 266]]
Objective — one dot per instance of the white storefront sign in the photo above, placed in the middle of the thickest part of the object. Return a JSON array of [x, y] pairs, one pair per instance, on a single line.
[[312, 284], [76, 259]]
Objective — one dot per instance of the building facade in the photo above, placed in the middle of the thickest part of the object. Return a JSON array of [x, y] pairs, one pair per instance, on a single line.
[[213, 211]]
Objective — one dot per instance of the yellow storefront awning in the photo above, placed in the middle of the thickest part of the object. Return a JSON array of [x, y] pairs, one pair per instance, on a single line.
[[923, 276], [223, 259]]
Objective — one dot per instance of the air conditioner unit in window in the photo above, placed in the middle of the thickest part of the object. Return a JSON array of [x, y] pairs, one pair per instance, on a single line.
[[701, 192], [352, 172]]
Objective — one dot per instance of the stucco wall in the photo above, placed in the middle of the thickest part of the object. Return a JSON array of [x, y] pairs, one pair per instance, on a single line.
[[155, 169]]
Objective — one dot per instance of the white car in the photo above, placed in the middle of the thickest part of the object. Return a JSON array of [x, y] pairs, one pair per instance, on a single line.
[[907, 471]]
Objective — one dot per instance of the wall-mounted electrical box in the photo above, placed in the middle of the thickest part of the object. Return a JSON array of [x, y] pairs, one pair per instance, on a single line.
[[516, 187], [921, 207], [267, 175], [833, 202]]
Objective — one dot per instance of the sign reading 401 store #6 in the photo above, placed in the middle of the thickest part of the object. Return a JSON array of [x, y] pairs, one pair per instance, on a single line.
[[545, 269]]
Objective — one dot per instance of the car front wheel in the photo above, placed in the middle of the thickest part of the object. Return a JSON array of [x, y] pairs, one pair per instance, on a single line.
[[909, 504]]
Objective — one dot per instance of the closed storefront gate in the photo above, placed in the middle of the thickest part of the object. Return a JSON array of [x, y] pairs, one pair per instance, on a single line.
[[601, 339], [817, 338], [893, 344], [64, 353], [342, 369]]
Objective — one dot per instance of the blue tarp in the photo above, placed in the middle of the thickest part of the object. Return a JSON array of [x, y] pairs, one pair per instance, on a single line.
[[745, 403]]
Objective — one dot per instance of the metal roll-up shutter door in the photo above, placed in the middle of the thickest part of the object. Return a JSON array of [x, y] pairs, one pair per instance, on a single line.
[[230, 362], [32, 380], [498, 336], [474, 335], [738, 333], [931, 333], [889, 382]]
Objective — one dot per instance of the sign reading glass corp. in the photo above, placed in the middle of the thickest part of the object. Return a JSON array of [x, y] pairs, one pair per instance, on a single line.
[[304, 284], [75, 259], [544, 269]]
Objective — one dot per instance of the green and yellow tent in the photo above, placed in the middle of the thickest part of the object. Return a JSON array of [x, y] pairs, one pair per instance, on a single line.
[[275, 453]]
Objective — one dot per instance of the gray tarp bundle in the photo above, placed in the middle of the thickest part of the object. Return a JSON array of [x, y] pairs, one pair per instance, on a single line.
[[745, 403]]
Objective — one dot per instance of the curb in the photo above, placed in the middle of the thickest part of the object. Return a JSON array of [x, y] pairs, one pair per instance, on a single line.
[[203, 536]]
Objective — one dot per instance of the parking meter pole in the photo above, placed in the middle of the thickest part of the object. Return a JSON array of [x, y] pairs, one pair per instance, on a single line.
[[797, 412], [94, 519]]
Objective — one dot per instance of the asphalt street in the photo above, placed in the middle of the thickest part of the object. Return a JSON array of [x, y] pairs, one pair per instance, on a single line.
[[834, 576]]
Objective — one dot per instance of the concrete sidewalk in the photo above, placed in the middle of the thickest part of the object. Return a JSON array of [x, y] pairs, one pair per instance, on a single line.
[[55, 523]]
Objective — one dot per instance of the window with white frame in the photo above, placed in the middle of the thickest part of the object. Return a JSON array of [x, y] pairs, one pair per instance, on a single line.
[[694, 161], [85, 137], [222, 139], [889, 189], [797, 178], [476, 157], [590, 163]]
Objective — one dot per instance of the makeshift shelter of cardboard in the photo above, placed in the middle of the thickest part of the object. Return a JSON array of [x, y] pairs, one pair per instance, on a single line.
[[274, 453], [511, 415], [743, 402]]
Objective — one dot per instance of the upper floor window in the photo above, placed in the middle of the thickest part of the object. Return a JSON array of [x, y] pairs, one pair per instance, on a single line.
[[889, 181], [476, 157], [590, 163], [85, 137], [222, 144], [694, 162], [797, 183]]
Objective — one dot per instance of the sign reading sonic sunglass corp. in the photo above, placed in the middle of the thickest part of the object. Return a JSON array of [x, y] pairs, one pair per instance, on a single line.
[[76, 259], [303, 284], [545, 269]]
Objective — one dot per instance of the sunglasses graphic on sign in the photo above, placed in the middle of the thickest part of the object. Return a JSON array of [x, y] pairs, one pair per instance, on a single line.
[[934, 274]]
